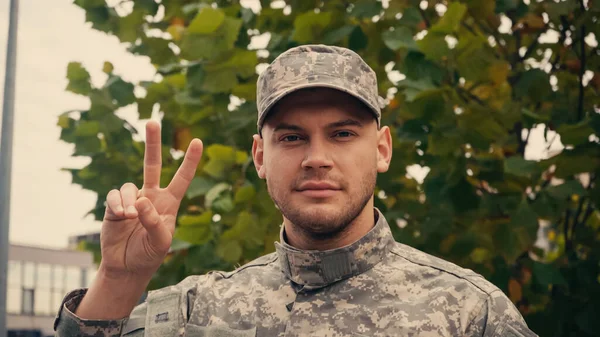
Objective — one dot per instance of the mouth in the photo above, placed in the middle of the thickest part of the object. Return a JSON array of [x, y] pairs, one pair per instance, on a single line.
[[318, 193], [317, 189]]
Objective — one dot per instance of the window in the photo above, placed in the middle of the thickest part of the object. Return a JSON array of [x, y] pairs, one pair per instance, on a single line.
[[42, 302], [14, 274], [44, 276], [58, 278], [27, 301], [29, 275], [13, 300], [73, 278]]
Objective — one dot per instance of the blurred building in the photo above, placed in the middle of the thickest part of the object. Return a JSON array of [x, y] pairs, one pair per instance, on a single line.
[[38, 279], [76, 240]]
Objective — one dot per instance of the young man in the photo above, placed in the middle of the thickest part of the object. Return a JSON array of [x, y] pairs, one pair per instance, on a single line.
[[337, 270]]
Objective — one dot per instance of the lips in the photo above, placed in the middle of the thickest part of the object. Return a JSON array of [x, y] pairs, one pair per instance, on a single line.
[[318, 189], [317, 185]]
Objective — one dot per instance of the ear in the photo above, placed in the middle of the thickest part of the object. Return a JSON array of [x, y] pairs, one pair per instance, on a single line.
[[384, 149], [257, 156]]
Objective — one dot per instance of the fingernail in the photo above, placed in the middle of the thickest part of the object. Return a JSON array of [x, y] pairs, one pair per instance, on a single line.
[[131, 210], [120, 209]]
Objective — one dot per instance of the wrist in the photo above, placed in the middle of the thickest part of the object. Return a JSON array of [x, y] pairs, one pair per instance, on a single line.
[[112, 295]]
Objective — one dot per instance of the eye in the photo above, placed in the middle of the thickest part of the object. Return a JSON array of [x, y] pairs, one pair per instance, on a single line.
[[343, 134], [290, 138]]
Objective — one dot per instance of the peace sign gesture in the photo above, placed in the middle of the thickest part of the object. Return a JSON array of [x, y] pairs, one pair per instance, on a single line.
[[138, 225]]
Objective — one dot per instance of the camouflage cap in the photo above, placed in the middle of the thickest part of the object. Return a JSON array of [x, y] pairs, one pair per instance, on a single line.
[[317, 66]]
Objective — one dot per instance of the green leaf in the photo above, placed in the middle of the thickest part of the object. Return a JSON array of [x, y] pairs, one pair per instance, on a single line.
[[199, 186], [244, 194], [197, 46], [206, 21], [79, 79], [575, 134], [525, 218], [505, 5], [177, 244], [149, 6], [434, 46], [414, 88], [411, 17], [309, 26], [565, 190], [130, 25], [230, 251], [87, 128], [64, 121], [337, 35], [195, 235], [246, 91], [547, 274], [121, 91], [415, 66], [107, 68], [520, 167], [358, 40], [401, 37], [451, 19], [215, 192], [223, 204], [203, 219], [535, 84], [366, 9]]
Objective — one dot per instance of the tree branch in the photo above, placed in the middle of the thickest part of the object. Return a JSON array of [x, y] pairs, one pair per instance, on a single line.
[[582, 68], [568, 240], [532, 46], [427, 23]]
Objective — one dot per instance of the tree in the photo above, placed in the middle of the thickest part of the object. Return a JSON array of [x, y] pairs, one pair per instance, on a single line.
[[477, 76]]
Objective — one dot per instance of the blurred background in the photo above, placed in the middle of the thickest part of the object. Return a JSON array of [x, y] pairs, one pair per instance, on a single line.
[[493, 106]]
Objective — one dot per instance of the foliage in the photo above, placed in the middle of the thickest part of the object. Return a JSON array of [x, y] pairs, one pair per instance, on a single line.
[[480, 75]]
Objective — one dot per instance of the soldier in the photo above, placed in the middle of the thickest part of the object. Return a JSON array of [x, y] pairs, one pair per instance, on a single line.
[[337, 270]]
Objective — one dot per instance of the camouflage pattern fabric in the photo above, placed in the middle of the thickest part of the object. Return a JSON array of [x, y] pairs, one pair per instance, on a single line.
[[374, 287], [317, 66]]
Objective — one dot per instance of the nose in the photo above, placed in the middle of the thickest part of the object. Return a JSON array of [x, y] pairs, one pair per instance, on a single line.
[[317, 156]]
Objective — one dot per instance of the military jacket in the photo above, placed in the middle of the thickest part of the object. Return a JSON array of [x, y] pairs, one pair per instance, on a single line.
[[373, 287]]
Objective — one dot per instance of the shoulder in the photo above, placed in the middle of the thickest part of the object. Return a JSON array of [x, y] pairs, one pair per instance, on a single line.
[[428, 265], [490, 312], [260, 265]]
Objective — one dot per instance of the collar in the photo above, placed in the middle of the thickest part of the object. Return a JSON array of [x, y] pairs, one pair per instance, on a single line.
[[313, 268]]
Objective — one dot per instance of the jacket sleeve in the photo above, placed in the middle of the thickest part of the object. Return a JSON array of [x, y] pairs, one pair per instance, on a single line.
[[498, 317], [68, 324]]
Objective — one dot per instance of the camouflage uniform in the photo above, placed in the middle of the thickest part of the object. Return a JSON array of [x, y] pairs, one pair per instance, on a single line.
[[373, 287]]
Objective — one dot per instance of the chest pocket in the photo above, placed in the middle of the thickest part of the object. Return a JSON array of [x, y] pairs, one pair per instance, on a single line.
[[192, 330]]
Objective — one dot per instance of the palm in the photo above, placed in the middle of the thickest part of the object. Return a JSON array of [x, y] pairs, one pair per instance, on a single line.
[[136, 243]]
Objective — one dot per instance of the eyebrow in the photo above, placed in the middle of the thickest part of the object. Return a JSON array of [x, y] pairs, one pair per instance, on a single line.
[[345, 122]]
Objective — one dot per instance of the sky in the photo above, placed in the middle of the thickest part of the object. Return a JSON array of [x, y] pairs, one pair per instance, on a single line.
[[46, 208]]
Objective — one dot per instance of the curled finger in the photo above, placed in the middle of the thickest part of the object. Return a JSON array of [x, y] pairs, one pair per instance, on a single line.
[[114, 205], [129, 194]]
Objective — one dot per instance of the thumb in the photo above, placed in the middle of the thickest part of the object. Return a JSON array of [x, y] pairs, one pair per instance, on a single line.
[[159, 235]]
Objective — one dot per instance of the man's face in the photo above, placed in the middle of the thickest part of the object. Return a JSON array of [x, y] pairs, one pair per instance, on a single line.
[[320, 154]]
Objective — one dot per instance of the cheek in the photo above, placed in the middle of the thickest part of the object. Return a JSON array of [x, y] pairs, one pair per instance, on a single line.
[[279, 169]]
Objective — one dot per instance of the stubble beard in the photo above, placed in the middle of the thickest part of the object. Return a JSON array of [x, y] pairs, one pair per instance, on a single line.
[[319, 224]]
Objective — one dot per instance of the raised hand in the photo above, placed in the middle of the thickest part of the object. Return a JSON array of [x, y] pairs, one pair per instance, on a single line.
[[138, 224]]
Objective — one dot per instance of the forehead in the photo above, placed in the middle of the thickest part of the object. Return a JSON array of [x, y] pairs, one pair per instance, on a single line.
[[318, 103]]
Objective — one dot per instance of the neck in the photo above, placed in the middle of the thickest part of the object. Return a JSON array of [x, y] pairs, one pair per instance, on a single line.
[[359, 227]]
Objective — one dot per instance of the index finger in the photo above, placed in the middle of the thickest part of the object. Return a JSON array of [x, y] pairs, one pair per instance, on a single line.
[[152, 155], [186, 172]]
